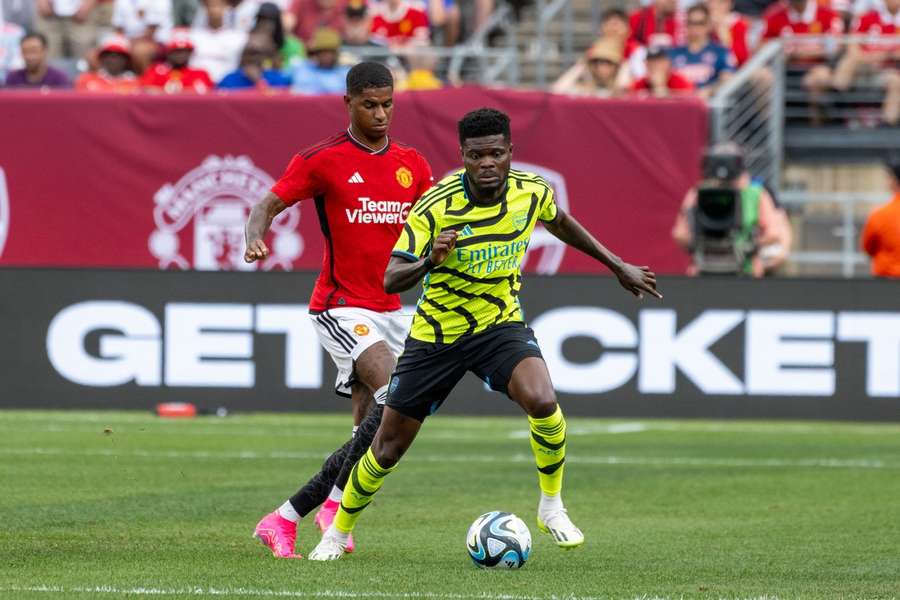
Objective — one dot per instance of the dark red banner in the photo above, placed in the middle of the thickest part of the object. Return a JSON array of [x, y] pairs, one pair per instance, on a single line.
[[167, 182]]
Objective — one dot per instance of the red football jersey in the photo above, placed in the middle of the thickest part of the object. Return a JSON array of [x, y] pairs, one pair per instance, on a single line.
[[644, 30], [782, 20], [407, 23], [173, 81], [676, 83], [879, 23], [362, 199]]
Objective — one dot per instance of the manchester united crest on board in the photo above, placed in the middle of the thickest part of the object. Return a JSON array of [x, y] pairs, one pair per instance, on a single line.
[[200, 219], [404, 177]]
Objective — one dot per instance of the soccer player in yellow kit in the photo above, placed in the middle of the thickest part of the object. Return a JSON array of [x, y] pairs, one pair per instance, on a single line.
[[467, 237]]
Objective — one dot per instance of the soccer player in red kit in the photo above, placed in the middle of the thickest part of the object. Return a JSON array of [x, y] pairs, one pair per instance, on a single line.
[[363, 184]]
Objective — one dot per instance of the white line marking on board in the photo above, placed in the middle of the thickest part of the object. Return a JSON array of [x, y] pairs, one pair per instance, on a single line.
[[832, 463]]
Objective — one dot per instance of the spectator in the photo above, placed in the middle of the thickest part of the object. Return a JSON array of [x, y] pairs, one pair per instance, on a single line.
[[422, 62], [10, 53], [37, 72], [289, 47], [304, 17], [239, 15], [881, 234], [763, 225], [72, 27], [445, 18], [174, 75], [114, 74], [705, 63], [358, 34], [656, 25], [321, 73], [217, 49], [399, 22], [729, 28], [870, 58], [184, 12], [595, 74], [18, 12], [795, 19], [252, 72], [661, 80], [147, 24]]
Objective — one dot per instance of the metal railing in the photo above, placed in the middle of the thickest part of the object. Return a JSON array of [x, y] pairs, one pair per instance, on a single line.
[[749, 109], [459, 64], [546, 13]]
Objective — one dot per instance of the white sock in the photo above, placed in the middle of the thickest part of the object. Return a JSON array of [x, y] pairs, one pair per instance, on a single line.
[[338, 535], [287, 511], [336, 494], [549, 505]]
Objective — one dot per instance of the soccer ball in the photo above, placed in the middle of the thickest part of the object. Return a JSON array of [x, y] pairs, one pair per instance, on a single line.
[[498, 540]]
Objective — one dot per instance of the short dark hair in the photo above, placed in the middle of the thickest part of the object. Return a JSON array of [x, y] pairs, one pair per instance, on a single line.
[[35, 35], [613, 13], [368, 75], [483, 122], [700, 8], [892, 162]]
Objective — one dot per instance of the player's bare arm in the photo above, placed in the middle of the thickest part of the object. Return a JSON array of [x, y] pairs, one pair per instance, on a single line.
[[636, 280], [402, 275], [258, 225]]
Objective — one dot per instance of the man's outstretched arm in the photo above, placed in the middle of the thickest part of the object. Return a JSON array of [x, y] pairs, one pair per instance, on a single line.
[[636, 280], [258, 225]]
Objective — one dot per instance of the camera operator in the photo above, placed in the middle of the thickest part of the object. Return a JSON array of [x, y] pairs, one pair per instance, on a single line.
[[729, 223]]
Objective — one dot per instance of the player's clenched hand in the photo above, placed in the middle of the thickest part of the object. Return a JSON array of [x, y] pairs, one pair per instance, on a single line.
[[442, 246], [638, 280], [256, 250]]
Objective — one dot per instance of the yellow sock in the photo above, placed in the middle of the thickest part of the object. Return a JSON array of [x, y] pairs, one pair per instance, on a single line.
[[548, 442], [365, 479]]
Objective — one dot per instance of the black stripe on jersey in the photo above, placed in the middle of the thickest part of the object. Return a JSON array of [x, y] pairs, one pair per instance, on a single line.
[[526, 176], [431, 198], [328, 326], [411, 246], [461, 211], [326, 231], [498, 302], [327, 143], [338, 329], [467, 277], [431, 224], [491, 221], [438, 332], [499, 237]]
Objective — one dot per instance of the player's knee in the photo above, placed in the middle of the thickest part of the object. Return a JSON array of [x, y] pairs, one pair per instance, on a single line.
[[539, 402]]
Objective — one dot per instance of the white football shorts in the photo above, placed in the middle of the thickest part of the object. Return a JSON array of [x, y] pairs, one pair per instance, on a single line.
[[346, 333]]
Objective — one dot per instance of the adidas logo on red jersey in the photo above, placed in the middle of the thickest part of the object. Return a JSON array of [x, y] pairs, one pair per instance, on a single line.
[[356, 178]]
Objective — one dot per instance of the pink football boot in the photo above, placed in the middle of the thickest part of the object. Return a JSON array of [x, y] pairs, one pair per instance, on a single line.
[[278, 534]]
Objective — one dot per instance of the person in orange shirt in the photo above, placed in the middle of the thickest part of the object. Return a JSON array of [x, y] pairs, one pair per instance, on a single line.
[[881, 235], [114, 74]]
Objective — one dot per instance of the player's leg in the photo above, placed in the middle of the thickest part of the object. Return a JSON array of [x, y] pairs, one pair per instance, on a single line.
[[530, 387]]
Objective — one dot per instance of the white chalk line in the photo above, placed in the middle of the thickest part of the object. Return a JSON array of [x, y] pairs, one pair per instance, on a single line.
[[201, 591], [832, 463]]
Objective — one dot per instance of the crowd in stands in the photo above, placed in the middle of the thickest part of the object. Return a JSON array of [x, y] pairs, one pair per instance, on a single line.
[[675, 47], [198, 46], [660, 48]]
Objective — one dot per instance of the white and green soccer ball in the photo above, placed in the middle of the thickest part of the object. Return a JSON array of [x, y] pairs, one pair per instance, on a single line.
[[499, 540]]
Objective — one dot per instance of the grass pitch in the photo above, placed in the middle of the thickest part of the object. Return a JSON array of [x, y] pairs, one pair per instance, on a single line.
[[107, 505]]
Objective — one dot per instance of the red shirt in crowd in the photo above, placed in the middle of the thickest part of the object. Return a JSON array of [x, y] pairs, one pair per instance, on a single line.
[[878, 23], [782, 20], [101, 81], [174, 81], [737, 32], [311, 16], [362, 198], [399, 26], [676, 83], [644, 28]]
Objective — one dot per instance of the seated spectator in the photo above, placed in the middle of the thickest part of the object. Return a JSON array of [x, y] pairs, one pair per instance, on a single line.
[[881, 60], [881, 235], [290, 48], [792, 20], [252, 72], [595, 74], [11, 36], [399, 22], [656, 25], [239, 15], [174, 75], [321, 73], [72, 27], [304, 17], [37, 72], [661, 80], [18, 12], [147, 24], [705, 63], [729, 28], [422, 61], [114, 74], [446, 20], [217, 49], [358, 34]]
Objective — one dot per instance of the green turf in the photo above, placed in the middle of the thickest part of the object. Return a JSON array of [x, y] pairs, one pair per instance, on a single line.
[[126, 505]]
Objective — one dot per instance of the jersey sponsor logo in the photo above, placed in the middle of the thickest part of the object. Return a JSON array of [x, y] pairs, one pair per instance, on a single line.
[[404, 177], [212, 202], [356, 178], [492, 257], [361, 329], [4, 211], [388, 212]]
